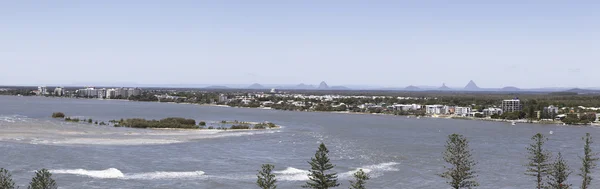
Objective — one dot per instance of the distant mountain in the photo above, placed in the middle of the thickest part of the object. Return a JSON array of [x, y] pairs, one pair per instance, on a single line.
[[510, 89], [304, 86], [323, 85], [412, 88], [216, 87], [444, 87], [471, 86], [256, 86], [339, 88], [583, 91]]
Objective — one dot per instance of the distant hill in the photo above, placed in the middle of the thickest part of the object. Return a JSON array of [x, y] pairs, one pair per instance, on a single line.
[[216, 87], [471, 86], [304, 86], [412, 88], [339, 88], [323, 85], [510, 89], [256, 86], [582, 91]]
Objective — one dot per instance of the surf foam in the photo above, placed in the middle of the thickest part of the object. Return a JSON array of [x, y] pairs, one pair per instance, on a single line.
[[104, 174], [374, 170], [292, 174], [113, 173]]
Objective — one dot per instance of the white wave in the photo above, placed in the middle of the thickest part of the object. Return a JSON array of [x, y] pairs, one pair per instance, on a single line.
[[374, 170], [113, 173], [292, 174], [13, 118], [165, 175], [108, 173]]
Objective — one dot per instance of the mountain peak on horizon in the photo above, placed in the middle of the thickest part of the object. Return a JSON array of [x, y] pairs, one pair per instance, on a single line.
[[323, 85], [444, 87], [471, 86]]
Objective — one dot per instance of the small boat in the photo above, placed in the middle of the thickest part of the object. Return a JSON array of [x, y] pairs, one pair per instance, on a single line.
[[418, 117], [551, 132], [407, 116], [513, 123]]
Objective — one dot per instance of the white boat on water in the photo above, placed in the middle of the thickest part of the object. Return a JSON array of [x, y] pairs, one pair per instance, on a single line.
[[513, 123]]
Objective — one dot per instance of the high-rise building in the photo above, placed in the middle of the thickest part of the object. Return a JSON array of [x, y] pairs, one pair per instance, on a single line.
[[134, 92], [89, 92], [59, 91], [110, 93], [512, 105], [42, 90], [222, 98]]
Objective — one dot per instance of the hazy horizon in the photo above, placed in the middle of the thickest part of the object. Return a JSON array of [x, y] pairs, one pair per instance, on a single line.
[[533, 44]]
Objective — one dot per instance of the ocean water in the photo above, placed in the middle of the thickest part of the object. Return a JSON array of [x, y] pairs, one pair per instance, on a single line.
[[398, 152]]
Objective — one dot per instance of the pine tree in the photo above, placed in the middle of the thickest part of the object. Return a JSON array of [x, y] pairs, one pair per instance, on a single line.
[[266, 179], [458, 154], [6, 181], [557, 179], [588, 160], [360, 180], [538, 159], [318, 178], [42, 180]]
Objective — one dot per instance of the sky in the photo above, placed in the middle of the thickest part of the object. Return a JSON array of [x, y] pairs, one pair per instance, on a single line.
[[526, 44]]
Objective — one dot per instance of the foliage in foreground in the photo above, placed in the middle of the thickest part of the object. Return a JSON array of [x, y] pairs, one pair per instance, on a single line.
[[360, 179], [559, 173], [588, 161], [458, 155], [266, 179], [538, 165], [42, 180], [319, 178], [6, 181]]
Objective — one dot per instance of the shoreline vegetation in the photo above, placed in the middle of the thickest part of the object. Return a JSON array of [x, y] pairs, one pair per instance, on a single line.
[[173, 123], [499, 118], [527, 115]]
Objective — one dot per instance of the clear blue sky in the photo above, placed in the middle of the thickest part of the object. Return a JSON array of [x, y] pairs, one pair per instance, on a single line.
[[385, 43]]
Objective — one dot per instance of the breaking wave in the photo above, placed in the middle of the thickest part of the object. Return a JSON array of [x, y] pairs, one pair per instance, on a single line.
[[113, 173], [374, 170], [14, 118], [294, 174]]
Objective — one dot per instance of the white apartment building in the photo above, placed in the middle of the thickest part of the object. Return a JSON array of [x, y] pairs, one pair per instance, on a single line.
[[42, 90], [434, 109], [491, 111], [59, 91], [462, 111]]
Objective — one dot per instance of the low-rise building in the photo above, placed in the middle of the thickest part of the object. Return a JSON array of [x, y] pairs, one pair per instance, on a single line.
[[491, 111]]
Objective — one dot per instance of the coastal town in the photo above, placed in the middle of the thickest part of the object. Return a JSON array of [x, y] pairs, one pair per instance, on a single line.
[[512, 109]]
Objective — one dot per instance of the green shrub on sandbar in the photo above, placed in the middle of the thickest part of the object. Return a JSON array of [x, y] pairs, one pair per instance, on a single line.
[[171, 122], [58, 115]]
